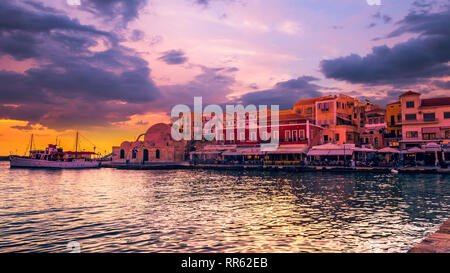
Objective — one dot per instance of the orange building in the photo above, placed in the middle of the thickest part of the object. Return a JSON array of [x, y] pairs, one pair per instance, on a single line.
[[342, 118], [307, 107]]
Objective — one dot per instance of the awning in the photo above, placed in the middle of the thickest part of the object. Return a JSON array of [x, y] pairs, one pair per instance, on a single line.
[[389, 150], [432, 147], [413, 150], [430, 130], [231, 154], [205, 153], [290, 150], [340, 152], [329, 152], [364, 150]]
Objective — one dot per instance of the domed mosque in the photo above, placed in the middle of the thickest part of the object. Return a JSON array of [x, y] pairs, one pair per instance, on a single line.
[[157, 146]]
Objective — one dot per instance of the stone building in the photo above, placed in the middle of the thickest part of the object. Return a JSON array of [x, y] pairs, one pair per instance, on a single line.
[[157, 146]]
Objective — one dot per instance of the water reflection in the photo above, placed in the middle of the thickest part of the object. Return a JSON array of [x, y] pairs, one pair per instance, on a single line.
[[107, 210]]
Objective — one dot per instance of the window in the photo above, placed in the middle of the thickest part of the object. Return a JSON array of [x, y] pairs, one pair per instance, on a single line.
[[393, 120], [231, 136], [447, 134], [429, 136], [309, 110], [325, 138], [134, 153], [429, 117], [242, 136], [447, 115], [294, 135], [336, 137], [410, 104], [253, 136], [411, 117], [122, 154], [412, 134], [301, 134], [331, 121], [287, 135], [399, 117], [376, 140], [158, 154], [264, 136]]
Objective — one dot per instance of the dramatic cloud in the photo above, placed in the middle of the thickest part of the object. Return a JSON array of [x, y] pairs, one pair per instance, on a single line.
[[284, 93], [212, 84], [174, 57], [405, 63], [125, 10], [442, 84], [73, 85]]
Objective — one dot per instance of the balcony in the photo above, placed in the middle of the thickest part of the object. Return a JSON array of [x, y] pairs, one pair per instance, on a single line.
[[419, 121]]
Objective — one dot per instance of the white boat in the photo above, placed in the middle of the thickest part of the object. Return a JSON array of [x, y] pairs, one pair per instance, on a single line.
[[25, 162], [55, 158]]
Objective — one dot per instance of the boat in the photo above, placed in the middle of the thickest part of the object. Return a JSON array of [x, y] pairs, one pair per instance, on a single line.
[[54, 157]]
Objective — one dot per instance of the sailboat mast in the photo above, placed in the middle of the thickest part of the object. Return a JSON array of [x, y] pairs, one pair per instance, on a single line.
[[76, 143], [31, 143]]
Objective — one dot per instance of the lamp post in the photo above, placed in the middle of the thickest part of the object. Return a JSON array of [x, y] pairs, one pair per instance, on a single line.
[[345, 157]]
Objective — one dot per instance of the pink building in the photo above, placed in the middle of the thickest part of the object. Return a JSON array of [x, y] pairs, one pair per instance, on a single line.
[[424, 120]]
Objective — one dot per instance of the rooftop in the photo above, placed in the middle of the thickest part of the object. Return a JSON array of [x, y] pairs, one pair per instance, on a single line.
[[410, 93]]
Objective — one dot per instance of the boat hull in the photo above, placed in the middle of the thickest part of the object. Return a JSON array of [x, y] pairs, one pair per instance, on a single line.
[[20, 162]]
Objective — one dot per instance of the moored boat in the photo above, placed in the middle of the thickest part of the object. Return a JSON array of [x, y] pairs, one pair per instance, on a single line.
[[55, 158]]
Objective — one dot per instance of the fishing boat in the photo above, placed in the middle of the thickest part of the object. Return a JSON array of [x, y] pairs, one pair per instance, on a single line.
[[54, 157]]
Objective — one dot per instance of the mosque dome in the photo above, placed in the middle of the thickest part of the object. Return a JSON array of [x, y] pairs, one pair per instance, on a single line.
[[158, 135]]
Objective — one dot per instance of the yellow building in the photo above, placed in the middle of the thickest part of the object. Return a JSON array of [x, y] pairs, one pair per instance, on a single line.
[[394, 124]]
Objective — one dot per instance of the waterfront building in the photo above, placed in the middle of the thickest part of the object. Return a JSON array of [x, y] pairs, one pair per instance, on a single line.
[[424, 120], [342, 118], [295, 135], [394, 124], [307, 107], [157, 146], [374, 128]]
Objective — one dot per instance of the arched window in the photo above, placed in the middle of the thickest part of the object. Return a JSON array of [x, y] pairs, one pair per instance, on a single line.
[[145, 155], [158, 154], [134, 154], [122, 154]]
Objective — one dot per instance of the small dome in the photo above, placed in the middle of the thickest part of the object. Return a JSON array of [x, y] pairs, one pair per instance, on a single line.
[[158, 134]]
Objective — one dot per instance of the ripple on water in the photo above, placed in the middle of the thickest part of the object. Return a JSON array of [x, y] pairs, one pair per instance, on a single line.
[[107, 210]]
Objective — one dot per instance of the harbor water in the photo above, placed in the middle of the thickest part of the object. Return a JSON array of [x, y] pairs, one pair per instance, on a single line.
[[109, 210]]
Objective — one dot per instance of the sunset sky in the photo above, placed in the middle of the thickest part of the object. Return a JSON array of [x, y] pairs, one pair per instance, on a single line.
[[112, 68]]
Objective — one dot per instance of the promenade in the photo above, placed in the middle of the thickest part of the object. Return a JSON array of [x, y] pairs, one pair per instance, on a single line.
[[438, 242], [288, 168]]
